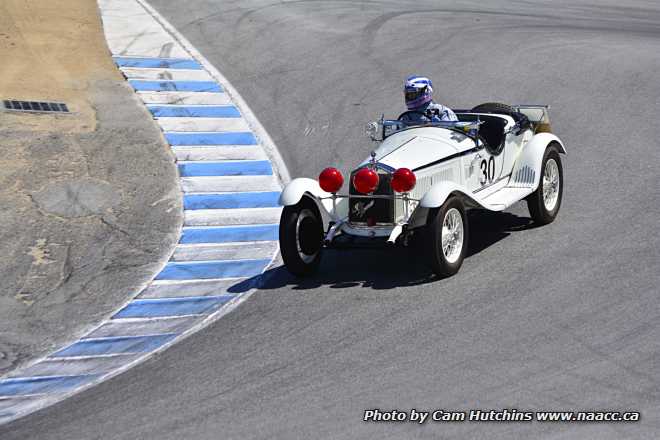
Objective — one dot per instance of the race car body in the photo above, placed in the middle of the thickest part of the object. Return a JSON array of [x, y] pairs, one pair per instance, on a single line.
[[421, 179]]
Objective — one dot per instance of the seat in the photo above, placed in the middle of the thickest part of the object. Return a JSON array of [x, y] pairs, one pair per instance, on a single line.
[[491, 130]]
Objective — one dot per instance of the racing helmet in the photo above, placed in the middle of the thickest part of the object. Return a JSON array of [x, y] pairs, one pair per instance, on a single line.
[[418, 90]]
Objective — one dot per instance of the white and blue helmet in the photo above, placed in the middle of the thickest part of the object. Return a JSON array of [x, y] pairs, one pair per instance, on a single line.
[[418, 90]]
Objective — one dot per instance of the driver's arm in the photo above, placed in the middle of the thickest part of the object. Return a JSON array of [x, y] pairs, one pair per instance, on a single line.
[[447, 114]]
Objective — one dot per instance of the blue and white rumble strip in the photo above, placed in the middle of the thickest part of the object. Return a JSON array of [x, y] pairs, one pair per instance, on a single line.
[[231, 189]]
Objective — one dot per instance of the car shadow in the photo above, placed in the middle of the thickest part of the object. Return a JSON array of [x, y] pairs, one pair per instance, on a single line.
[[488, 227], [387, 268]]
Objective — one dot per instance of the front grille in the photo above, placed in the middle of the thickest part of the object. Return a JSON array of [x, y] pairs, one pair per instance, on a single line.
[[380, 212]]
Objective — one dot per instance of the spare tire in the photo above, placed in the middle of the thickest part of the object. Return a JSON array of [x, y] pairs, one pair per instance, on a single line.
[[504, 109], [494, 107]]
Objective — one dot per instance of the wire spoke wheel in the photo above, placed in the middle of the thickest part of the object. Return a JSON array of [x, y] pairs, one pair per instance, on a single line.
[[545, 201], [452, 235], [550, 184], [446, 243]]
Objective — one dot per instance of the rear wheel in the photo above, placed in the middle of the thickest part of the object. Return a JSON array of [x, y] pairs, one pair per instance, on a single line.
[[301, 237], [544, 203], [447, 237]]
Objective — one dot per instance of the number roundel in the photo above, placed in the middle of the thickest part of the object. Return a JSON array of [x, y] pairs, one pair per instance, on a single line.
[[487, 170]]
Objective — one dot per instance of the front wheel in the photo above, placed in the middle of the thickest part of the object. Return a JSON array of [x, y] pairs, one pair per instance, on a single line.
[[447, 237], [301, 237], [544, 203]]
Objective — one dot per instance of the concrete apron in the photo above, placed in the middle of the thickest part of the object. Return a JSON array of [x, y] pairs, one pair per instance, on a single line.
[[90, 205], [230, 174]]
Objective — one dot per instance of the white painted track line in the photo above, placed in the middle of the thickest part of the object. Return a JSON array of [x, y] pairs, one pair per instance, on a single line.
[[246, 216], [166, 74], [131, 30], [144, 327], [78, 366], [192, 288], [203, 124], [212, 153], [229, 183], [185, 98], [223, 251]]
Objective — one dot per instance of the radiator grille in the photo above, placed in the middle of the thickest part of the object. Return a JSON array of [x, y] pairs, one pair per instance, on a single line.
[[363, 212]]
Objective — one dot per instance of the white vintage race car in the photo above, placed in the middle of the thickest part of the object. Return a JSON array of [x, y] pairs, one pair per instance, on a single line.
[[421, 179]]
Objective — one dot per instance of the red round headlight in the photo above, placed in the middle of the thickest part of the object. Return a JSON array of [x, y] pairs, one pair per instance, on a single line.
[[365, 181], [403, 180], [331, 180]]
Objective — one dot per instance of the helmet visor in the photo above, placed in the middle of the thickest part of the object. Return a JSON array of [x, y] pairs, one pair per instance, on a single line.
[[413, 93]]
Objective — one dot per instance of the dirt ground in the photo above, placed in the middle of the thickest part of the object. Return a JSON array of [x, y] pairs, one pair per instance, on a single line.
[[51, 51]]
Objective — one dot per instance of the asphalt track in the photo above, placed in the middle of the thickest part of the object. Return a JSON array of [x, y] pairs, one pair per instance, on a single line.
[[559, 317]]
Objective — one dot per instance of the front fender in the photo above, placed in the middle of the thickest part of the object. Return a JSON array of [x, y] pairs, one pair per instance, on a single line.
[[440, 192], [294, 190], [527, 169]]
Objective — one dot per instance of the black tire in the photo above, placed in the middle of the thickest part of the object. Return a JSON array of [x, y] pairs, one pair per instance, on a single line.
[[540, 213], [494, 107], [301, 237], [440, 264]]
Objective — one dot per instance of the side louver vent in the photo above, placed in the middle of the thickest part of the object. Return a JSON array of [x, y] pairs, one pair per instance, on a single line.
[[525, 176]]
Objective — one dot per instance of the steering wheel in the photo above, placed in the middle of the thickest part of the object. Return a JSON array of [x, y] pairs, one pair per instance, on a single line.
[[404, 116]]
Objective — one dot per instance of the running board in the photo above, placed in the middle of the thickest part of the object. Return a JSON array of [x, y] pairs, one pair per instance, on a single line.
[[505, 197]]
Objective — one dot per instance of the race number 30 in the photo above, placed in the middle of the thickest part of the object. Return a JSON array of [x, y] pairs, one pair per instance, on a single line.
[[487, 170]]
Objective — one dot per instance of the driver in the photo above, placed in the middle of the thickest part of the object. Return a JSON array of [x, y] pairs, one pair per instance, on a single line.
[[418, 92]]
